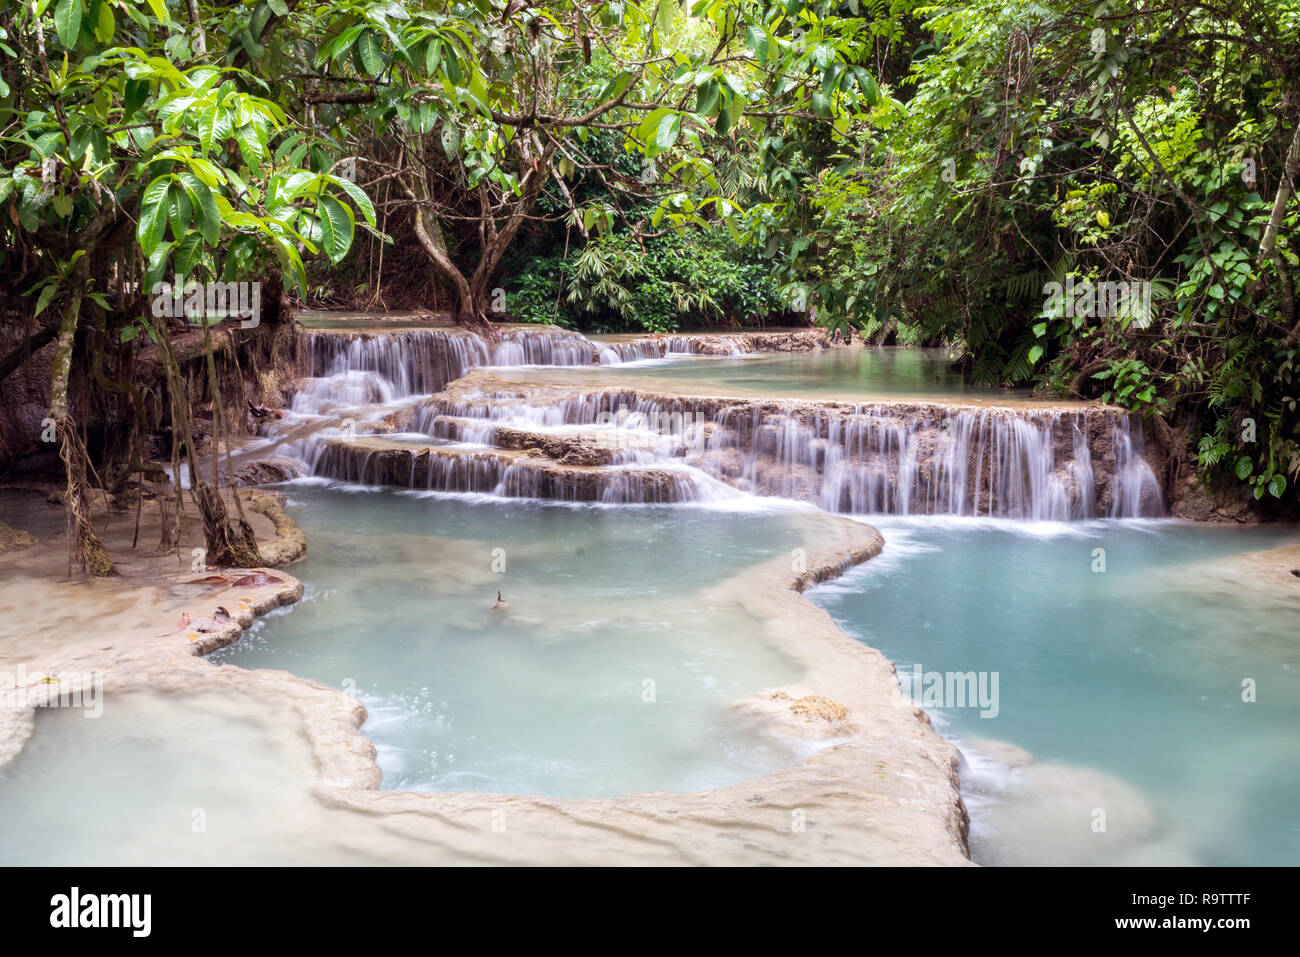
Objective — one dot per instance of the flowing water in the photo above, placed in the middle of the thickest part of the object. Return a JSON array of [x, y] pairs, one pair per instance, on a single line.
[[1117, 730], [778, 436], [1125, 685]]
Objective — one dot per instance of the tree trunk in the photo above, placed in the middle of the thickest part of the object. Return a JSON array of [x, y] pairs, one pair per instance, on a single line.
[[226, 546], [473, 295], [85, 550]]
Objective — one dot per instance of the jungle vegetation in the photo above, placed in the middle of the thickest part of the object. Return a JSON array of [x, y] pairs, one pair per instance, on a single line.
[[1096, 199]]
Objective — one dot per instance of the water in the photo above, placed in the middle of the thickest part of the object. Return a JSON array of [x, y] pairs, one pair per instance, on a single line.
[[858, 457], [548, 696], [156, 779], [1118, 692], [863, 458], [1127, 680], [865, 372]]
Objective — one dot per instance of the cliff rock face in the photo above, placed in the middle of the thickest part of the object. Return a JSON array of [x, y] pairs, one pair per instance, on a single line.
[[1198, 500], [24, 404]]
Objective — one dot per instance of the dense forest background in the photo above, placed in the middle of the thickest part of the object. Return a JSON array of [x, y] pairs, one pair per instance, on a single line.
[[1096, 199]]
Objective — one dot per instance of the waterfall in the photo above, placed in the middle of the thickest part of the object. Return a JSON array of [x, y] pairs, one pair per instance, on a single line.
[[621, 445], [886, 457], [506, 474], [614, 352], [350, 369], [1136, 489]]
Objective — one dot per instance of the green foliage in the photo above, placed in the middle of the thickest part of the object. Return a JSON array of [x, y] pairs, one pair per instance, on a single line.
[[617, 283], [1026, 146]]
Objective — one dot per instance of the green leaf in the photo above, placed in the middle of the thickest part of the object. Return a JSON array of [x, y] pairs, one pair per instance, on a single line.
[[205, 205], [134, 96], [336, 225], [450, 140], [81, 140], [46, 295], [370, 53], [106, 23], [187, 254], [1276, 486], [432, 55], [67, 22], [664, 15], [706, 97], [723, 124], [1244, 467], [180, 212], [756, 37], [669, 128], [358, 196], [1035, 353], [153, 215]]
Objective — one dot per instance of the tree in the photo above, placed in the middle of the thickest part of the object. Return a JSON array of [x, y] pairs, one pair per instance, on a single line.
[[475, 110], [130, 153]]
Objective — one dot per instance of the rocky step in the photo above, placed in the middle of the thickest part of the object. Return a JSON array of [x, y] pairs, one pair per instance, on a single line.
[[512, 473], [568, 445], [1055, 460]]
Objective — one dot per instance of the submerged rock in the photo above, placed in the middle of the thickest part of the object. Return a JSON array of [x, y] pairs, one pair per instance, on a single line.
[[14, 538], [267, 471]]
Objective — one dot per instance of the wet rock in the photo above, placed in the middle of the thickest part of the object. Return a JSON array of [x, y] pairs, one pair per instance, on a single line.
[[1201, 501], [372, 460], [14, 538], [816, 707], [268, 471]]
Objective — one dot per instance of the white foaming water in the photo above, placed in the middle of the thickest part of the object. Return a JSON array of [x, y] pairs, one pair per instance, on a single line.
[[362, 368], [878, 458]]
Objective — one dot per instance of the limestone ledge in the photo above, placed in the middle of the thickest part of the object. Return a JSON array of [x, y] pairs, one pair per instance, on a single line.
[[880, 788]]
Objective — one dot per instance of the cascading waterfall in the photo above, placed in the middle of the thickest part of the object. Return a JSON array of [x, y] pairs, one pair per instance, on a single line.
[[661, 347], [1136, 488], [895, 458], [492, 472], [352, 369], [622, 445]]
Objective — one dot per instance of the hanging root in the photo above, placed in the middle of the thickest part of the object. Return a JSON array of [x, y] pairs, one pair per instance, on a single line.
[[227, 546], [86, 552]]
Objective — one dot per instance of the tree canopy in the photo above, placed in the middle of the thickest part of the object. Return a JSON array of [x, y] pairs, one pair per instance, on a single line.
[[918, 173]]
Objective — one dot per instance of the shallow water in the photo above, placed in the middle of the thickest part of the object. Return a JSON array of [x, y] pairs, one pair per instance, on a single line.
[[547, 696], [30, 511], [1124, 687], [1135, 672], [160, 779], [868, 372]]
